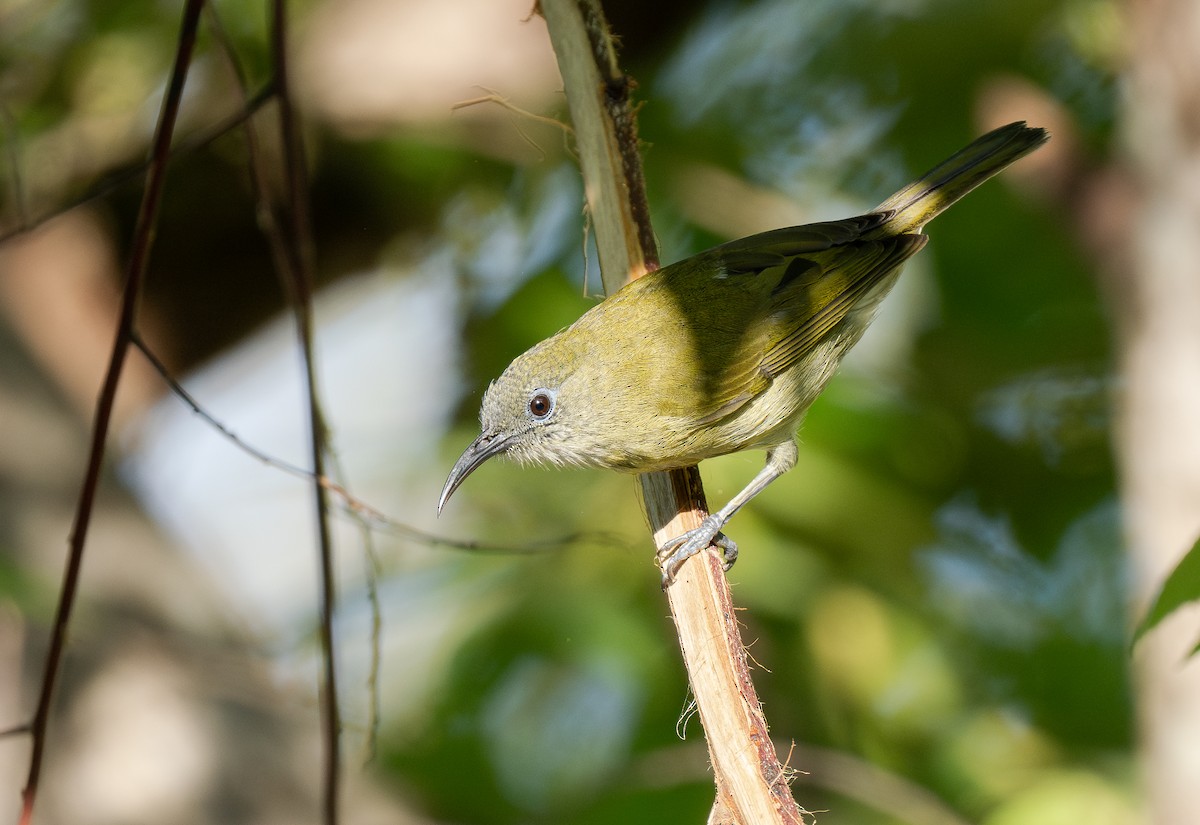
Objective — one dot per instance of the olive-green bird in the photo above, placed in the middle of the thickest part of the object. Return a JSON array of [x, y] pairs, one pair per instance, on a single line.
[[721, 352]]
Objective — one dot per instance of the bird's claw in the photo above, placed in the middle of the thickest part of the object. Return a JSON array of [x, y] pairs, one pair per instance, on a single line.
[[676, 551]]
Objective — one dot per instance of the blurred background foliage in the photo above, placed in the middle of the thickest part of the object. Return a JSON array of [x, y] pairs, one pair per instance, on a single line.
[[935, 596]]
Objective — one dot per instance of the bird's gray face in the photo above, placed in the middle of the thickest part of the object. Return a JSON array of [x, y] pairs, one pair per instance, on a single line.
[[520, 417]]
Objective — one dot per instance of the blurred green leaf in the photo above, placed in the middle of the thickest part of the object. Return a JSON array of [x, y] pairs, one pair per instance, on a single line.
[[1181, 587]]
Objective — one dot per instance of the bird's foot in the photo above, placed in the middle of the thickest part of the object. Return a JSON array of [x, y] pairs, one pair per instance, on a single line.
[[676, 551]]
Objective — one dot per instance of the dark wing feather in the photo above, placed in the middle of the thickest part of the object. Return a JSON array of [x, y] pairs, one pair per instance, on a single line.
[[755, 253], [810, 310], [779, 294]]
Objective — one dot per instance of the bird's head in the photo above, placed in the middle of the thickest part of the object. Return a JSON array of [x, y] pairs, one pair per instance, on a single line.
[[532, 413]]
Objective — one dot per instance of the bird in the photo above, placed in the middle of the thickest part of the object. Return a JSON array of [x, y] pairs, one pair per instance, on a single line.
[[721, 352]]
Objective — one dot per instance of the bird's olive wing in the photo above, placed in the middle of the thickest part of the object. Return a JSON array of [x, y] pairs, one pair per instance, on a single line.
[[751, 308], [813, 294]]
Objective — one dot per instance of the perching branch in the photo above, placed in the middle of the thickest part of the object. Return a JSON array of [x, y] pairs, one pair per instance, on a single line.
[[751, 784], [143, 238]]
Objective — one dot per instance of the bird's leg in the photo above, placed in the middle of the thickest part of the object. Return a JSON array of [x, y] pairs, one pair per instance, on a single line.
[[676, 551]]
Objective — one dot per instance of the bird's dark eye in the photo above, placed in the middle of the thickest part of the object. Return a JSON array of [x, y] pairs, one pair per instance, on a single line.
[[541, 404]]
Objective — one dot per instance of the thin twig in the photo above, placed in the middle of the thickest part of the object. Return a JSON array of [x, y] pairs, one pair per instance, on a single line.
[[143, 238], [374, 674], [351, 503], [504, 103], [366, 514], [302, 278], [290, 243], [516, 112], [117, 179], [15, 730]]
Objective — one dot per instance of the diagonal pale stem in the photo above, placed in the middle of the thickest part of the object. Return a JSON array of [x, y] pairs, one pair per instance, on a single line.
[[751, 784]]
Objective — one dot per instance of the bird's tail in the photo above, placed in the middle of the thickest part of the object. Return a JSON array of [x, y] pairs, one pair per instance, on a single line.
[[920, 202]]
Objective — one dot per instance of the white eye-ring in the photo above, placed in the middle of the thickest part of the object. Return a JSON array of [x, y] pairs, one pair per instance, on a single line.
[[541, 404]]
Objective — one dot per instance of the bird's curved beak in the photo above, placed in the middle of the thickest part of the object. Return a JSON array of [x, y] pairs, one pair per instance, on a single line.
[[487, 445]]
